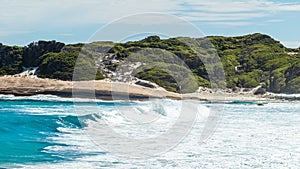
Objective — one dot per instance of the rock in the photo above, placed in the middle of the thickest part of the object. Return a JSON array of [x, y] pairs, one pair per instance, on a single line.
[[145, 84], [260, 91]]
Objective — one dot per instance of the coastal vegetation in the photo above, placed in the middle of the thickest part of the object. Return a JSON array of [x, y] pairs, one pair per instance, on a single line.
[[174, 63]]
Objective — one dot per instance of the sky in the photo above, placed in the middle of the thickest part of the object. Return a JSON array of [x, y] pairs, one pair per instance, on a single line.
[[73, 21]]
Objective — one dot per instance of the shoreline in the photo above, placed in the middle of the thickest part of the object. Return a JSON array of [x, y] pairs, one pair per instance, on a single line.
[[27, 86], [104, 90]]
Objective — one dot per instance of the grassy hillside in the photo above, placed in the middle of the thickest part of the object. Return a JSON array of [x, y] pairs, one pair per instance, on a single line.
[[261, 59], [171, 63]]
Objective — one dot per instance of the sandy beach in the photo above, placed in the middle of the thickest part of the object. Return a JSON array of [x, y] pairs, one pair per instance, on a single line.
[[26, 86]]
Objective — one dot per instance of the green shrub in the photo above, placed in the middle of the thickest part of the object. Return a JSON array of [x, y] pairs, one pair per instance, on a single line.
[[247, 82], [293, 86]]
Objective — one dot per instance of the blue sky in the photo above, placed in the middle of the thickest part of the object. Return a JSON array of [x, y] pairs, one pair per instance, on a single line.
[[72, 21]]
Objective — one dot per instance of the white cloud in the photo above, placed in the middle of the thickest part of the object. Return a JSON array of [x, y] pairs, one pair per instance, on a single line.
[[230, 23], [240, 11], [288, 7], [228, 5], [78, 11], [241, 5], [32, 14], [200, 16]]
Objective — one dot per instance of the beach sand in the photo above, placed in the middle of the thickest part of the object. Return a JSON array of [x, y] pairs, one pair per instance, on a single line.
[[27, 86]]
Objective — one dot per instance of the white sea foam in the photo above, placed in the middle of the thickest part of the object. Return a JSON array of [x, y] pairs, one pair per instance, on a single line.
[[248, 136], [53, 98]]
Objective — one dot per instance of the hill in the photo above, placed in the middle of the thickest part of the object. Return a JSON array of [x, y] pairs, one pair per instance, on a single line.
[[174, 64]]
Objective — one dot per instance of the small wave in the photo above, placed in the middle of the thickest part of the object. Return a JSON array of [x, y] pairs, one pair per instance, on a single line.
[[53, 98], [241, 102], [79, 121]]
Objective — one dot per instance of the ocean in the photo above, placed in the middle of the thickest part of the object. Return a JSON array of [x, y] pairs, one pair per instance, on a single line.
[[51, 132]]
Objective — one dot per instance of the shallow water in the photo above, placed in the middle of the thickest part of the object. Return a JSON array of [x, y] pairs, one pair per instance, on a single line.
[[45, 132]]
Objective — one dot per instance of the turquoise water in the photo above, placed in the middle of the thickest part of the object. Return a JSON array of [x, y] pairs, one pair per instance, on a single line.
[[44, 131]]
